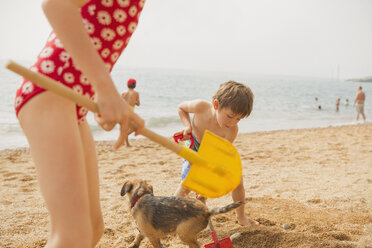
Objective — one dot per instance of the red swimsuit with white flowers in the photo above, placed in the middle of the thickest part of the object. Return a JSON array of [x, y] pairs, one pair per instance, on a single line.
[[110, 25]]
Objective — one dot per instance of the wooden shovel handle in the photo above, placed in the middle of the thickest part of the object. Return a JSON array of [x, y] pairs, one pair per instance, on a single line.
[[64, 91]]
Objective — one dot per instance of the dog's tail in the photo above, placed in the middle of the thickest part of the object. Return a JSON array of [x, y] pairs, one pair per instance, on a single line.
[[225, 209]]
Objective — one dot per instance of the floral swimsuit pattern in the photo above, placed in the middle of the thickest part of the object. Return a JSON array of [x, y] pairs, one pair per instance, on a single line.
[[110, 25]]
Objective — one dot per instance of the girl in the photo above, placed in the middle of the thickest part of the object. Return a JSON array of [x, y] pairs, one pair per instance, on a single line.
[[88, 37]]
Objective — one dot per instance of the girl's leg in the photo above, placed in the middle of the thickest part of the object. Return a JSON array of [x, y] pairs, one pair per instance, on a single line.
[[51, 127], [93, 181]]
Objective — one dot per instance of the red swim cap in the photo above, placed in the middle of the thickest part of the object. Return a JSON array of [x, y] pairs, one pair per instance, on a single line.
[[131, 82]]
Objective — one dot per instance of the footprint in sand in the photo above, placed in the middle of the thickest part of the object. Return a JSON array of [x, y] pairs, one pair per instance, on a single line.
[[26, 189], [339, 236], [221, 219], [166, 171], [27, 178], [265, 222], [314, 201]]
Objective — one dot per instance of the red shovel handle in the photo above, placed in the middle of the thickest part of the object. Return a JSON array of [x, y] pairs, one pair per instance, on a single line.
[[215, 238], [180, 136]]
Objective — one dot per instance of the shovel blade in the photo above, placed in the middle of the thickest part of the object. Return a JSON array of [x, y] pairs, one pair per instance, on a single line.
[[216, 168]]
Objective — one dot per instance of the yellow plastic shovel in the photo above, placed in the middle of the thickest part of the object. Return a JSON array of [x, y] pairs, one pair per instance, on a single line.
[[216, 169]]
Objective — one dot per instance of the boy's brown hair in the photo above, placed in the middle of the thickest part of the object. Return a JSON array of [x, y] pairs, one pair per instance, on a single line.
[[236, 96]]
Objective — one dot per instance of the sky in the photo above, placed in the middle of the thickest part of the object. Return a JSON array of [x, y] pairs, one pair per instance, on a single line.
[[316, 38]]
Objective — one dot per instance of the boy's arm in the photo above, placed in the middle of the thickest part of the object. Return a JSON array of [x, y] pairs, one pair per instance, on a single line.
[[233, 134], [138, 99], [123, 95], [184, 110]]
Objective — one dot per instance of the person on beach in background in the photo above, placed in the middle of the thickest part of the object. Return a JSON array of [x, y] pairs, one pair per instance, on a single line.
[[232, 102], [87, 38], [347, 102], [338, 104], [131, 97], [317, 103], [359, 103]]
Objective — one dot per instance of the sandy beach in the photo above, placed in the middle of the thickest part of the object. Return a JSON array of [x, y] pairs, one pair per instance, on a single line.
[[315, 182]]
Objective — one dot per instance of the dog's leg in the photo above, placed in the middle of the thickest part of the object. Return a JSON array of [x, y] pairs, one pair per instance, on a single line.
[[194, 244], [136, 242], [155, 242], [188, 232], [189, 239], [191, 242]]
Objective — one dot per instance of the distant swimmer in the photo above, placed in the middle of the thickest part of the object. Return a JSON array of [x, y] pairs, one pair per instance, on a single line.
[[317, 103], [347, 102]]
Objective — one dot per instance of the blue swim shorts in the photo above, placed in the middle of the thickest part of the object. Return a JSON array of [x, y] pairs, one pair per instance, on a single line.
[[186, 164]]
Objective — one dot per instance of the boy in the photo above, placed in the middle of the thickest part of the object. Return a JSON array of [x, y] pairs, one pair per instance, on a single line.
[[232, 102], [131, 97]]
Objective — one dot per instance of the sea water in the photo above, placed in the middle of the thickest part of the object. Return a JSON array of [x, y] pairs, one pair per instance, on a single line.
[[281, 102]]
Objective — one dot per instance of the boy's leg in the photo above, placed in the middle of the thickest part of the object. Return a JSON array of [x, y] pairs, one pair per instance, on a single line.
[[93, 181], [51, 127], [239, 195], [181, 191]]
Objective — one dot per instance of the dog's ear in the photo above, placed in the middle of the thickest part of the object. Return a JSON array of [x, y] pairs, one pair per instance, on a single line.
[[150, 188], [141, 189], [145, 188], [127, 187]]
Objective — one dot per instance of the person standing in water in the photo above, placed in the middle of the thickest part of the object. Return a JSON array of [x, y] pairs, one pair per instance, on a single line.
[[338, 104], [359, 103]]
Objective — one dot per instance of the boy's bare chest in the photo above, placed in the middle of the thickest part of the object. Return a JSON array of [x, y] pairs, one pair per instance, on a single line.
[[202, 123]]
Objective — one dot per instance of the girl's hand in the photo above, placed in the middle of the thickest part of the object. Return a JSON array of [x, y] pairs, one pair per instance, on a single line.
[[113, 110]]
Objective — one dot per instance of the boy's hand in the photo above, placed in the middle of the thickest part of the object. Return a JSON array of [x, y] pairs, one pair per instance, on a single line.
[[187, 132]]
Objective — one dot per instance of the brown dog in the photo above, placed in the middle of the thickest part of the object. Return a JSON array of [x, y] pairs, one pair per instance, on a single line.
[[157, 216]]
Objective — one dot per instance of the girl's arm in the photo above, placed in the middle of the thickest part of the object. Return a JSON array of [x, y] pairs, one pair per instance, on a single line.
[[65, 19]]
